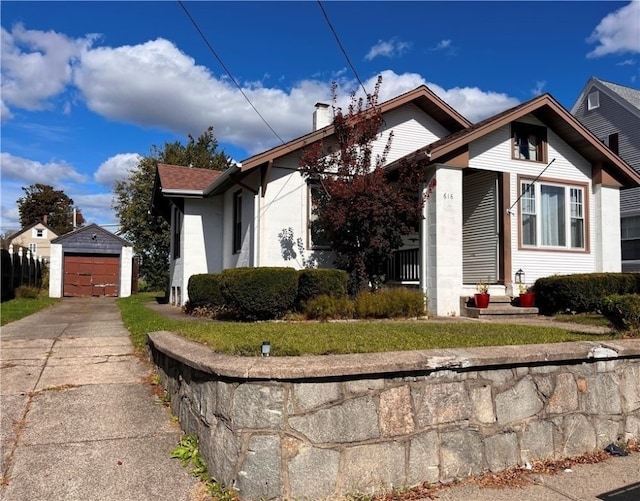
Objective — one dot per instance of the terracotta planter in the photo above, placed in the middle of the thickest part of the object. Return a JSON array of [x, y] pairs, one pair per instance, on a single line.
[[481, 300], [527, 300]]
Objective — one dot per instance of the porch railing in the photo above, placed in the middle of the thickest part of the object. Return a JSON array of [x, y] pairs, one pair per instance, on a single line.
[[404, 266]]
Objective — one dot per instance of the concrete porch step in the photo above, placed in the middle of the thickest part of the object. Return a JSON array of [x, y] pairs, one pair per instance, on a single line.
[[499, 307]]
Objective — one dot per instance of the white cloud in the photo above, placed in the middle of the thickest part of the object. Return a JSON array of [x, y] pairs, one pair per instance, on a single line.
[[471, 102], [442, 44], [96, 208], [31, 172], [116, 168], [627, 62], [618, 32], [388, 48], [37, 65], [537, 90]]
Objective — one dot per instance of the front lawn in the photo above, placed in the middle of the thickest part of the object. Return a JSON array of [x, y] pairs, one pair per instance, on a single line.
[[17, 308], [319, 338]]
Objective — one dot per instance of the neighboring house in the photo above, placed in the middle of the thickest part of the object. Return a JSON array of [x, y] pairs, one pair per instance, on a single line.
[[37, 238], [612, 113], [530, 188]]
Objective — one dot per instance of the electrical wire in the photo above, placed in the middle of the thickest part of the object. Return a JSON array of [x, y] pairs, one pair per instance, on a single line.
[[528, 187], [227, 70], [326, 17]]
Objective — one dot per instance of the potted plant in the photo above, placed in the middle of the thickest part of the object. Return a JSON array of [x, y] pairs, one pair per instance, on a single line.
[[527, 297], [481, 298]]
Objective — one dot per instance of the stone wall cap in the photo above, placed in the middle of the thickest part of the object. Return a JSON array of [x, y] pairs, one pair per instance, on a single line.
[[203, 358]]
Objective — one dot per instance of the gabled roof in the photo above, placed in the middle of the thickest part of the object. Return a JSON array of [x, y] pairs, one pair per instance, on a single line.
[[33, 225], [92, 228], [421, 96], [176, 179], [627, 97], [546, 109]]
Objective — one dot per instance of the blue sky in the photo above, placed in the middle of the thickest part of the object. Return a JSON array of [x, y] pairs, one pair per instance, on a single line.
[[88, 86]]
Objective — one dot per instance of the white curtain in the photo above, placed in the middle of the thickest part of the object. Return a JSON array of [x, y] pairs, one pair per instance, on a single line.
[[553, 215]]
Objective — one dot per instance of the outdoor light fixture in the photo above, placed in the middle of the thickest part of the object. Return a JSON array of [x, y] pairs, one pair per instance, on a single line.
[[520, 276], [266, 348]]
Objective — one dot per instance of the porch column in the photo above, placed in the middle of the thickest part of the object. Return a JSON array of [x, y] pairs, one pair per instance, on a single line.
[[605, 240], [55, 271], [444, 242]]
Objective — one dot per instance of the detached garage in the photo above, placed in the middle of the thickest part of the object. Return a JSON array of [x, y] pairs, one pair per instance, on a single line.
[[90, 261]]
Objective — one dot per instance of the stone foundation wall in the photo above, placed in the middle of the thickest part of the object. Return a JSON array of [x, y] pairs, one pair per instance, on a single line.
[[318, 427]]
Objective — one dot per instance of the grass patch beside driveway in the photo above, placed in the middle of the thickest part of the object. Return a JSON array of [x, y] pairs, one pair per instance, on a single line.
[[321, 338], [18, 308]]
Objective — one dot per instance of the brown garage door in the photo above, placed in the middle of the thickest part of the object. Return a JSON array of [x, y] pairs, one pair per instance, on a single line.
[[91, 275]]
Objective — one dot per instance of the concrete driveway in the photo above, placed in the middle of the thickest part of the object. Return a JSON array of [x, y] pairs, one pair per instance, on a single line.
[[78, 422]]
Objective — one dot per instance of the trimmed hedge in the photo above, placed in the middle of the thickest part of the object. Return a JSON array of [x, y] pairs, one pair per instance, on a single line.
[[204, 291], [582, 292], [622, 310], [260, 293], [320, 282]]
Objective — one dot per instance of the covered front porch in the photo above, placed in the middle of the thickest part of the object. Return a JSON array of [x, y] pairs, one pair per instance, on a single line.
[[464, 239]]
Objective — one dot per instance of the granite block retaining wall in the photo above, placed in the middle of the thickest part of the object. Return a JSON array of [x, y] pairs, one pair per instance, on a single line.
[[321, 427]]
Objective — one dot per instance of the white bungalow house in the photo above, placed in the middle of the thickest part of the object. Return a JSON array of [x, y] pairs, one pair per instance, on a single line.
[[530, 188]]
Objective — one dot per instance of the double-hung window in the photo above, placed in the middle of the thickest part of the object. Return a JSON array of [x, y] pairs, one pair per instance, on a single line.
[[529, 142], [552, 215], [237, 221]]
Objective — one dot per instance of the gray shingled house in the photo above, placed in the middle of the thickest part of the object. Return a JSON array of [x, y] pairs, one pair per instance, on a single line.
[[612, 112]]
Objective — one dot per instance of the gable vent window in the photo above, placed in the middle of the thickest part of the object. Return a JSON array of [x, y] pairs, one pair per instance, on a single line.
[[529, 142], [593, 100]]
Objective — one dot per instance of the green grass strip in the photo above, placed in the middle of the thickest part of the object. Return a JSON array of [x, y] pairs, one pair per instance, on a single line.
[[18, 308], [320, 338]]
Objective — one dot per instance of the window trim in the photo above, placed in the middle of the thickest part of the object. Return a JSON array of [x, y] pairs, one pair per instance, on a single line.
[[39, 233], [236, 241], [539, 131], [33, 247], [567, 185], [593, 100]]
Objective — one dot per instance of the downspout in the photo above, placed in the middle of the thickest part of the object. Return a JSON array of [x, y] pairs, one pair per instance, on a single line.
[[257, 209]]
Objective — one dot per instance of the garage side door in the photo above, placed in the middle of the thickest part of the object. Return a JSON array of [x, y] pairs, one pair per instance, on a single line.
[[91, 275]]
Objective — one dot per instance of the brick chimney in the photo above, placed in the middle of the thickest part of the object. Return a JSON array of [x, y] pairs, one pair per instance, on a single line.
[[321, 116], [45, 218]]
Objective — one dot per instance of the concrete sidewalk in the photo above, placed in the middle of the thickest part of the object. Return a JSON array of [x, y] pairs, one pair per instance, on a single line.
[[614, 479], [77, 420]]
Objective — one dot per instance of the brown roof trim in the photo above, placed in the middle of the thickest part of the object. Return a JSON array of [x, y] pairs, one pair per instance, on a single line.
[[422, 96], [550, 112]]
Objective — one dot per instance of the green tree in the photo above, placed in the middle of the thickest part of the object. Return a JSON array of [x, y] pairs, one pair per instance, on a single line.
[[363, 209], [41, 201], [150, 233]]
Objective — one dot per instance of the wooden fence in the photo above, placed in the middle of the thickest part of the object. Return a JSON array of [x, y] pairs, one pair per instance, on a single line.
[[19, 267]]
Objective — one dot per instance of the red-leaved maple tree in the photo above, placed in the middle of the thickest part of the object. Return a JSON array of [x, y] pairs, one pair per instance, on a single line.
[[363, 209]]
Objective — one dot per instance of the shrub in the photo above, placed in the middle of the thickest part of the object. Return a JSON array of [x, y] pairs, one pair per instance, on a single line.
[[317, 282], [27, 292], [582, 292], [204, 291], [622, 310], [326, 307], [395, 302], [260, 293]]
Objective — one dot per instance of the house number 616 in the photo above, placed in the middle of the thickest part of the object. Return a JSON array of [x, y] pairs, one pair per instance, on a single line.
[[447, 196]]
